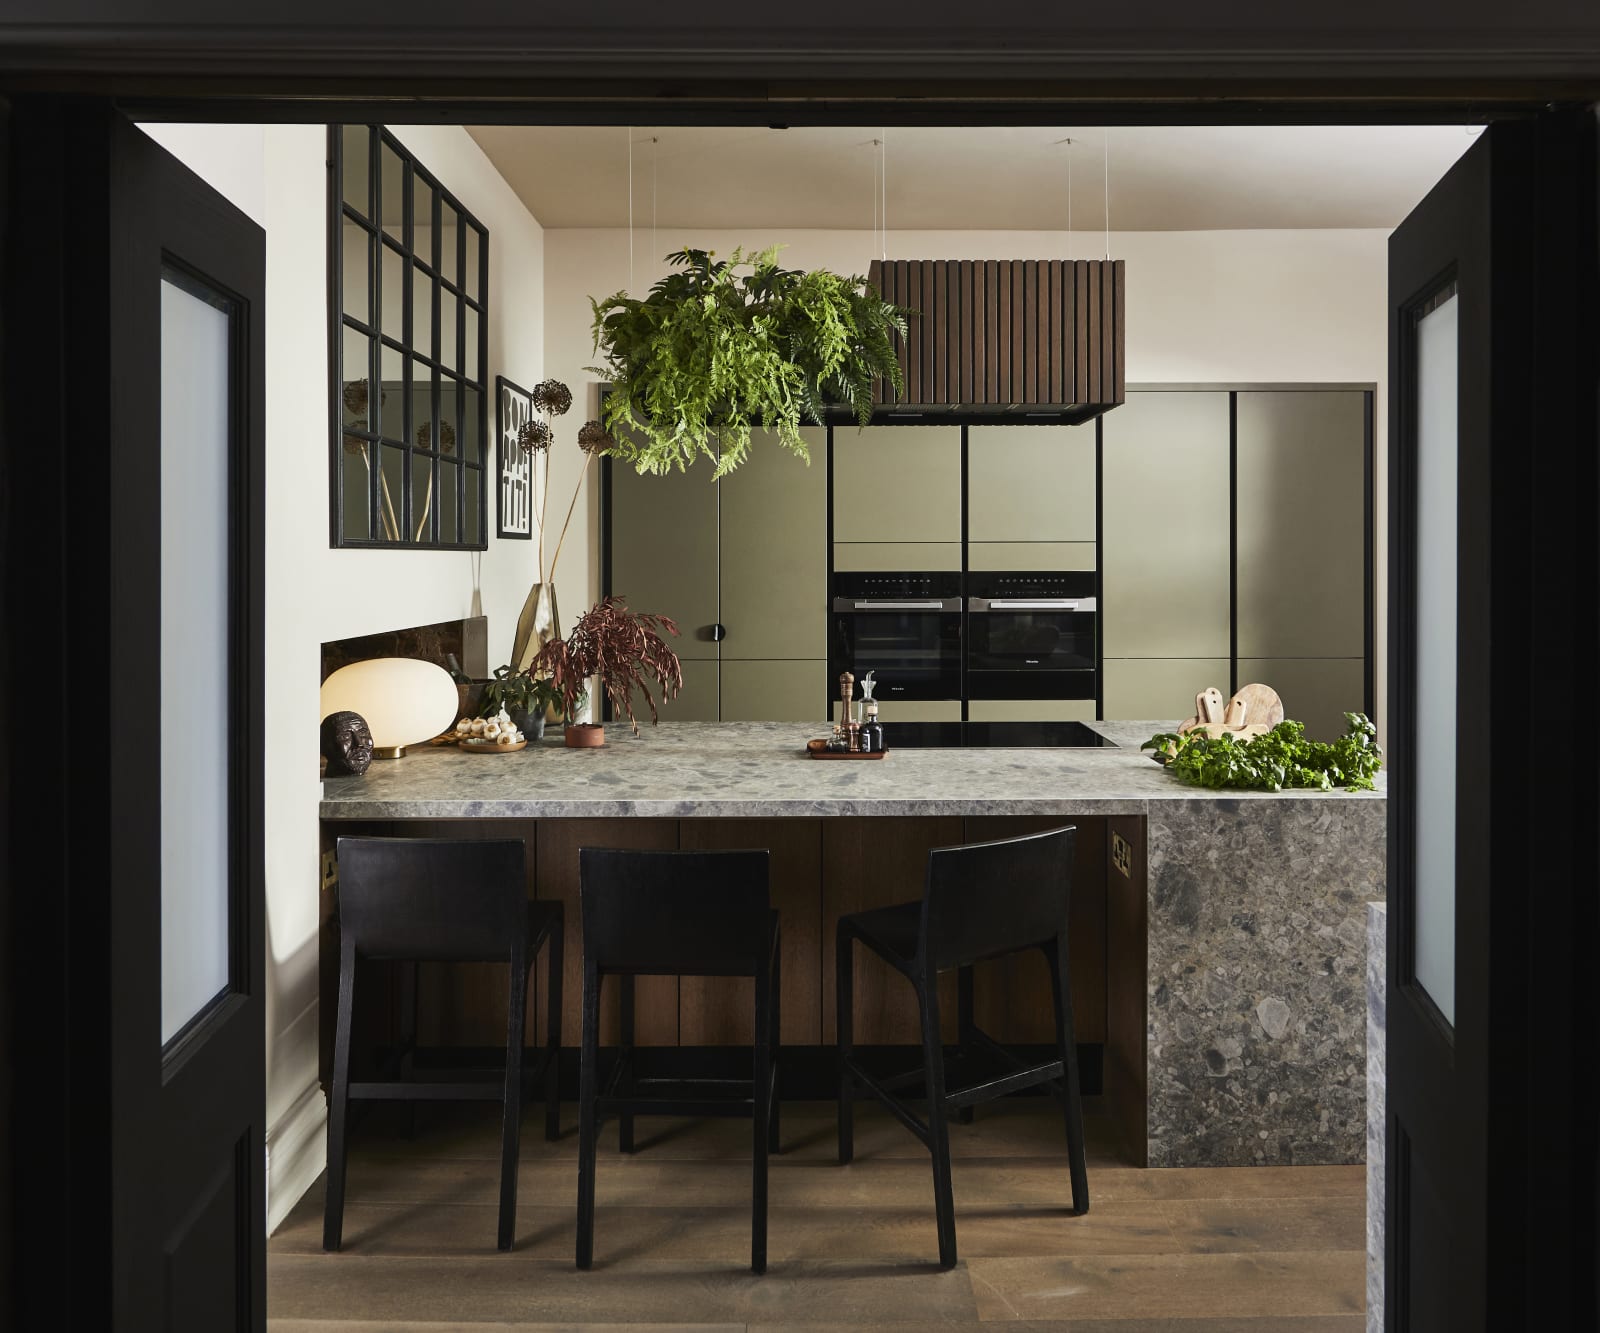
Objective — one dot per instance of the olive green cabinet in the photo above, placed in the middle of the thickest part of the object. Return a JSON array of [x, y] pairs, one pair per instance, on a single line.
[[744, 558], [897, 484], [1030, 497]]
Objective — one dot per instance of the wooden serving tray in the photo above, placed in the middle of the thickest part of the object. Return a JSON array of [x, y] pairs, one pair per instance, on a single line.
[[820, 750]]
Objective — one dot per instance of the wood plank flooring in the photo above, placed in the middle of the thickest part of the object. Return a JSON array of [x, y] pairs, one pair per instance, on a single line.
[[1244, 1250]]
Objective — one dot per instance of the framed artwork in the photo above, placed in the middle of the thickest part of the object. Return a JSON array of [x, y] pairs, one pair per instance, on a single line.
[[514, 515]]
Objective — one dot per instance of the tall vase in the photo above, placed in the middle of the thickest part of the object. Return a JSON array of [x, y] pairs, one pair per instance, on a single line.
[[539, 623]]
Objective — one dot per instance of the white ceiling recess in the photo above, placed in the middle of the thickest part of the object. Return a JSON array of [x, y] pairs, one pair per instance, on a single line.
[[1173, 178]]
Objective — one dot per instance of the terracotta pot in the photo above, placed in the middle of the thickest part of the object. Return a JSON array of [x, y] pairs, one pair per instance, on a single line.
[[585, 735]]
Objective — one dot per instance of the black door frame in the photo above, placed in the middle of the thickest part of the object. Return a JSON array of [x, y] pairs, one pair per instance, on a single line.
[[310, 66]]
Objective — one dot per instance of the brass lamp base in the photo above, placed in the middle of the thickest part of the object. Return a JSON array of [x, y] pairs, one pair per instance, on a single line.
[[389, 751]]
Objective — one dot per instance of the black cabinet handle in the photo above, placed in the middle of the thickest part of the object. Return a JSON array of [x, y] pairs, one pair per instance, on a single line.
[[719, 632]]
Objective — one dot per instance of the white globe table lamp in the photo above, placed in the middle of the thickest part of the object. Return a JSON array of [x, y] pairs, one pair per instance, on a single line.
[[404, 701]]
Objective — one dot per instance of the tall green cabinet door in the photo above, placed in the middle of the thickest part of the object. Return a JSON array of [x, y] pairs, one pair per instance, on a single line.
[[664, 559], [774, 582], [1302, 527], [1164, 544]]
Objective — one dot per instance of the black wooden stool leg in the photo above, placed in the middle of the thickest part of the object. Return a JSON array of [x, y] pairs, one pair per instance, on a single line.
[[625, 1119], [339, 1101], [939, 1134], [588, 1129], [1067, 1040], [760, 1123], [511, 1113], [776, 1029], [552, 1040], [844, 1023], [966, 1027]]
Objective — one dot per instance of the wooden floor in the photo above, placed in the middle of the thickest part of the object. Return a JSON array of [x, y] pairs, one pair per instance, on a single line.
[[1251, 1250]]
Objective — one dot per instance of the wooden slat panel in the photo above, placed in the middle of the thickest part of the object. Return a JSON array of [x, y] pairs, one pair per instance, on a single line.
[[718, 1011], [965, 340], [1107, 348], [1042, 344], [656, 998], [991, 331], [930, 325], [1093, 329], [875, 280], [980, 346], [1080, 336], [1119, 393], [1019, 307], [1056, 333], [903, 298], [1004, 333], [911, 296], [1127, 991], [1029, 346]]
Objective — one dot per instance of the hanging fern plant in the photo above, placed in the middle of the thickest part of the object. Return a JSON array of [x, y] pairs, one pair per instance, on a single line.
[[720, 348]]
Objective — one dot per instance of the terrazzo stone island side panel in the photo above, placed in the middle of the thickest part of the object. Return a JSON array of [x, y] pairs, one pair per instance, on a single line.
[[1377, 1042], [1257, 979]]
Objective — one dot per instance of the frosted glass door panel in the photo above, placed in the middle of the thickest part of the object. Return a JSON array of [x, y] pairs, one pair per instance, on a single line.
[[196, 437], [1434, 964]]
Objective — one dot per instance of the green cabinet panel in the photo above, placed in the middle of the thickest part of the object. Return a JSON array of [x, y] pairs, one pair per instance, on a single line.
[[1030, 483], [774, 691], [1318, 691], [664, 550], [1030, 710], [1302, 530], [867, 557], [697, 701], [1160, 689], [1045, 557], [775, 553], [897, 484], [1164, 508]]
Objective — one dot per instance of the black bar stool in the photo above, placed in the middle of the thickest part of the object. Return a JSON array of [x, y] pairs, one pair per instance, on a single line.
[[702, 914], [436, 899], [982, 901]]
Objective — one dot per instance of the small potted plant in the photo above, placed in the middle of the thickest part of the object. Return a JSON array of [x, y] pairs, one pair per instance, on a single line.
[[526, 699], [621, 648]]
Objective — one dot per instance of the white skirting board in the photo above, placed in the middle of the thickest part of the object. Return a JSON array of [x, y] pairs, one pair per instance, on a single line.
[[297, 1153]]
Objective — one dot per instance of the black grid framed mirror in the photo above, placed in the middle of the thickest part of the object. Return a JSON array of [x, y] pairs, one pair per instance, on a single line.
[[408, 278]]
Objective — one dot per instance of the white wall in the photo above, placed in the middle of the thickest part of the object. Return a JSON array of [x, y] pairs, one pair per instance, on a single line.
[[277, 174], [1213, 307]]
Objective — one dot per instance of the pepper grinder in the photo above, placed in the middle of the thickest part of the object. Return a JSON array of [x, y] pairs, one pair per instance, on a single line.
[[852, 729]]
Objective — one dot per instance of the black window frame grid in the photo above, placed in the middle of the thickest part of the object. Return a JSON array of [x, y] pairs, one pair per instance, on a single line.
[[375, 434]]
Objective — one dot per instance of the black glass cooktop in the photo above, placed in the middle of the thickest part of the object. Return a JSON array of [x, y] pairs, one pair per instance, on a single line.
[[998, 735]]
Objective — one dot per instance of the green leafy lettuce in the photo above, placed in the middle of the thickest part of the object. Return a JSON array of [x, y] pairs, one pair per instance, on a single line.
[[1282, 758]]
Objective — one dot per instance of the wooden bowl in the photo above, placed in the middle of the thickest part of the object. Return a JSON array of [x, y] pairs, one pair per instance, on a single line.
[[477, 745]]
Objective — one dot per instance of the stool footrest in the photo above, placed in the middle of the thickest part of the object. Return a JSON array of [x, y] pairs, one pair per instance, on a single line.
[[427, 1092]]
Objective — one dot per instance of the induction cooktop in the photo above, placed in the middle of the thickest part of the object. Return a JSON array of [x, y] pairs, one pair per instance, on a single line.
[[997, 735]]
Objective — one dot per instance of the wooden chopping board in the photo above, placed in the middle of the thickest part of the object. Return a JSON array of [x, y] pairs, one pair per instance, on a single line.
[[1252, 711], [1261, 704]]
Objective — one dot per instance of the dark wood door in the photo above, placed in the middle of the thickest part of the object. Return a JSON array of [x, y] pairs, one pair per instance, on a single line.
[[143, 416], [1492, 445]]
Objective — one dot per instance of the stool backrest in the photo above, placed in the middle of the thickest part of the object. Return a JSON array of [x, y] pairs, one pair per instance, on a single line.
[[433, 897], [991, 898], [674, 911]]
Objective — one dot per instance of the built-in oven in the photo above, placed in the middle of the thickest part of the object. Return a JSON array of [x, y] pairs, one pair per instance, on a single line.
[[1032, 636], [904, 627]]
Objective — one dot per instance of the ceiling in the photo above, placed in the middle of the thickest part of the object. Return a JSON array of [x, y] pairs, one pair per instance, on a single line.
[[1175, 178]]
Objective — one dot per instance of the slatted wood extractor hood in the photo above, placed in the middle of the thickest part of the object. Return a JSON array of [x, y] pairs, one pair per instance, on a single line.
[[1013, 339]]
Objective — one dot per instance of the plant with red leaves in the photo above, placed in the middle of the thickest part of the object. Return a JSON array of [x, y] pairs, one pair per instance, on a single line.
[[623, 648]]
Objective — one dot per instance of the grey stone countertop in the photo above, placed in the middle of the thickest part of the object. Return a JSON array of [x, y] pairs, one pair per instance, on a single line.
[[734, 769]]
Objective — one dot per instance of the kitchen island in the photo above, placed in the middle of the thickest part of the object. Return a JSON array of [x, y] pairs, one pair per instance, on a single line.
[[1218, 938]]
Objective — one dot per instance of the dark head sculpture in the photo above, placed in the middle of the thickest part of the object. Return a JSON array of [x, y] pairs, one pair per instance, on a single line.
[[346, 743]]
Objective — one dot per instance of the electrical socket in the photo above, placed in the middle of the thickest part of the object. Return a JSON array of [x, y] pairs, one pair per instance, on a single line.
[[330, 871], [1122, 855]]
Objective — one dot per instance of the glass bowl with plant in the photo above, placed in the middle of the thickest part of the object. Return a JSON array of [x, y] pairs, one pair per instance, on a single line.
[[625, 652]]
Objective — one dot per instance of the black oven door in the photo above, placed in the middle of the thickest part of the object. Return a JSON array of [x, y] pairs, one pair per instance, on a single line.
[[912, 645], [1031, 647]]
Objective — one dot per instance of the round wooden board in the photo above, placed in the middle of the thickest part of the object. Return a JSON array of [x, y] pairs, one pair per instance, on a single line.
[[477, 745], [1261, 704]]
